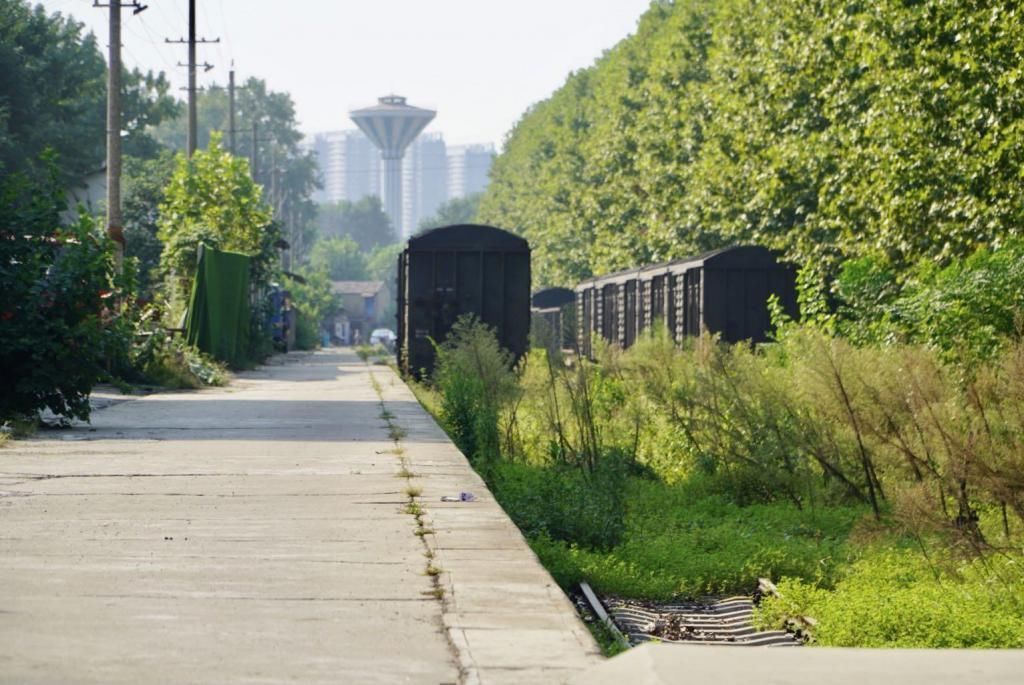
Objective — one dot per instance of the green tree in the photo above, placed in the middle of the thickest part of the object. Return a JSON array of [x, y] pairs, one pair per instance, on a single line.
[[364, 221], [382, 263], [287, 173], [211, 199], [829, 130], [143, 186], [53, 94], [340, 259], [458, 210], [315, 302]]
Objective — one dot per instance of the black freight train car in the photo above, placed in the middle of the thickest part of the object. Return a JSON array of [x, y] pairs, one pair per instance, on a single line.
[[553, 315], [454, 270], [724, 292]]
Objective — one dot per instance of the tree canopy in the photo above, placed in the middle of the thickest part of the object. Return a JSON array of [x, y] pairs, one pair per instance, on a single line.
[[364, 221], [212, 199], [825, 129], [340, 258], [287, 173], [53, 94], [458, 210]]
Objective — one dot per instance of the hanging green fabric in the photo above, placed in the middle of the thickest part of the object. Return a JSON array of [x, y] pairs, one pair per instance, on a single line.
[[218, 311]]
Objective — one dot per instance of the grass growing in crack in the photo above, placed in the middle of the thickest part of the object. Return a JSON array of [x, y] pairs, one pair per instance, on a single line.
[[412, 507]]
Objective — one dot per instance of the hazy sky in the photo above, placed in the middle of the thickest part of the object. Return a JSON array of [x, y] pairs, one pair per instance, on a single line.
[[479, 63]]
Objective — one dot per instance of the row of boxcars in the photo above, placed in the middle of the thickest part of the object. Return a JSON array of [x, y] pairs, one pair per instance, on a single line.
[[481, 270], [724, 292]]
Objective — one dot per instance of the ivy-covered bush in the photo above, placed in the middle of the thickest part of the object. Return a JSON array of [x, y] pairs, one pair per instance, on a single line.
[[59, 305]]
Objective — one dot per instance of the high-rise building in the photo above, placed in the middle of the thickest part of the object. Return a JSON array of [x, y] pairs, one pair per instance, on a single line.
[[349, 163], [468, 167], [424, 180]]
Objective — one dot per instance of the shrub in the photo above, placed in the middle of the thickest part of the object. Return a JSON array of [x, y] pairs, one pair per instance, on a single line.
[[474, 377], [212, 199], [967, 310], [307, 332], [171, 363], [58, 301]]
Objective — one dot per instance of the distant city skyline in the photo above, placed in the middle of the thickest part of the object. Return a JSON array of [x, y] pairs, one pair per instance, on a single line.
[[479, 64], [433, 172]]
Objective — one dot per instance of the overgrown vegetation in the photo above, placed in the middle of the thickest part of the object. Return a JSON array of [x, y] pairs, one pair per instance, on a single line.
[[881, 482]]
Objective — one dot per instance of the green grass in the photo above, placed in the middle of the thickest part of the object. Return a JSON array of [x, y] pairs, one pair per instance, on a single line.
[[896, 598], [675, 541]]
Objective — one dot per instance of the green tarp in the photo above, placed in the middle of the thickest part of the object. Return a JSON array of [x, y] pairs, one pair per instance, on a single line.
[[218, 311]]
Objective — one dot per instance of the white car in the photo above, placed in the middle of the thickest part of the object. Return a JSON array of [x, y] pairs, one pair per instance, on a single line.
[[383, 336]]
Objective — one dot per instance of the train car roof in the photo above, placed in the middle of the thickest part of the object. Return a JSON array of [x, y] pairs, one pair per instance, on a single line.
[[552, 297], [467, 237], [735, 256], [609, 279]]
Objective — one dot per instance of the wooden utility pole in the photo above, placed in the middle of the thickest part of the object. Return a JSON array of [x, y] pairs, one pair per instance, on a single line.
[[231, 109], [255, 163], [192, 41], [193, 121], [115, 229]]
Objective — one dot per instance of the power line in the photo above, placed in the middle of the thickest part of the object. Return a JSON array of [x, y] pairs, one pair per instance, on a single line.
[[157, 45], [206, 18]]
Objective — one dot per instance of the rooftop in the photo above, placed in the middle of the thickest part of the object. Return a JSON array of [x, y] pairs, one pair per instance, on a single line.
[[361, 288]]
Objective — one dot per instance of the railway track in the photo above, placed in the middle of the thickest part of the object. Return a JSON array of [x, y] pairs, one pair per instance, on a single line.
[[725, 621]]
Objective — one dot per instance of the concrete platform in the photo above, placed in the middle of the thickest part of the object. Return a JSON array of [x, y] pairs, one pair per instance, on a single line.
[[258, 534], [663, 664], [506, 616]]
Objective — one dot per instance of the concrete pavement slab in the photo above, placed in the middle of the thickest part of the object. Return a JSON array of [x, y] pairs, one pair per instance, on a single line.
[[259, 534], [665, 664], [250, 534]]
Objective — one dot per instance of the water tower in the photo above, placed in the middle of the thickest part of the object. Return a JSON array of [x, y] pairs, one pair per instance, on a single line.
[[392, 125]]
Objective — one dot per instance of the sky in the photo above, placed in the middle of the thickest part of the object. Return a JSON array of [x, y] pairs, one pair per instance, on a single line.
[[479, 63]]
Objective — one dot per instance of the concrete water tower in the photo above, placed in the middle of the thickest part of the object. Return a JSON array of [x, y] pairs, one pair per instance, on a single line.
[[392, 125]]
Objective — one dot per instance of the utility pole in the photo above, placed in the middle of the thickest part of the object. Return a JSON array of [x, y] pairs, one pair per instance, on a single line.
[[231, 109], [192, 42], [255, 164], [115, 229]]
